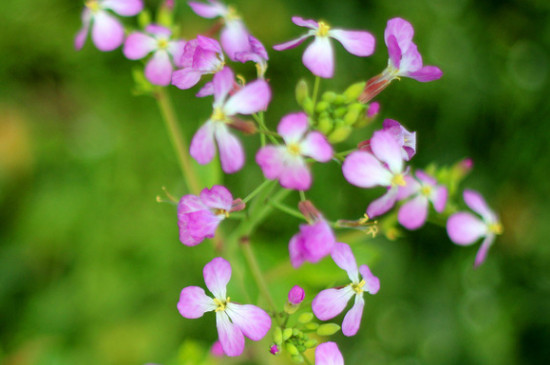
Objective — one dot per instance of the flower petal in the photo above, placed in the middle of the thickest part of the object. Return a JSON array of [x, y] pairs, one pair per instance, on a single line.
[[475, 201], [394, 51], [328, 353], [356, 42], [138, 45], [411, 187], [483, 250], [194, 302], [316, 146], [464, 228], [234, 38], [218, 197], [231, 150], [207, 10], [186, 78], [206, 90], [296, 251], [352, 320], [402, 30], [202, 147], [176, 50], [343, 257], [230, 335], [426, 74], [271, 161], [372, 283], [425, 178], [308, 23], [123, 7], [292, 127], [387, 150], [439, 198], [413, 214], [223, 83], [159, 69], [364, 170], [382, 204], [252, 98], [331, 302], [80, 37], [292, 43], [107, 32], [254, 322], [295, 174], [319, 57], [318, 240], [216, 276]]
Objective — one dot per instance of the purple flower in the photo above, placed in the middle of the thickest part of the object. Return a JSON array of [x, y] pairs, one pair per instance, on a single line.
[[287, 163], [107, 32], [331, 302], [234, 321], [234, 35], [200, 56], [274, 350], [250, 99], [414, 212], [296, 295], [159, 68], [199, 216], [312, 243], [405, 60], [465, 228], [319, 55], [256, 53], [405, 139], [383, 167], [328, 353]]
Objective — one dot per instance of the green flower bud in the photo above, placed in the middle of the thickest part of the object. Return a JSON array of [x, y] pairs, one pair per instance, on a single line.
[[312, 326], [302, 92], [305, 317], [298, 359], [353, 92], [278, 336], [339, 99], [292, 350], [297, 333], [308, 105], [321, 106], [311, 343], [144, 18], [291, 308], [341, 111], [329, 96], [328, 329], [287, 333], [325, 125], [340, 133]]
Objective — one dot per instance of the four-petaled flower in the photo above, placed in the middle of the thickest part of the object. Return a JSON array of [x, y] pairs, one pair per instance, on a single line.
[[159, 68], [287, 163], [383, 167], [331, 302], [319, 55], [312, 243], [328, 353], [250, 99], [107, 32], [465, 228], [234, 321], [405, 139]]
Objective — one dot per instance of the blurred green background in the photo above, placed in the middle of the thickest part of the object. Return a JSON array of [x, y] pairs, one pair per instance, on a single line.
[[91, 265]]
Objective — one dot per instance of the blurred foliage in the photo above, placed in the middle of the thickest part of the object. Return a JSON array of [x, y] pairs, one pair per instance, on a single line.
[[91, 266]]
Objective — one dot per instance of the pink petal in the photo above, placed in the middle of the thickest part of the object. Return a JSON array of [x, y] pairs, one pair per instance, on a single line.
[[206, 90], [411, 187], [364, 170], [292, 127], [206, 10], [387, 150], [218, 197], [358, 43], [138, 45], [413, 214], [296, 295], [483, 250], [425, 178], [464, 228], [217, 349], [223, 83], [372, 283], [186, 78], [475, 201], [123, 7], [176, 50], [205, 60], [194, 302], [319, 57], [295, 175], [270, 159], [234, 38], [158, 30], [80, 37], [202, 147], [352, 320], [382, 204], [308, 23], [230, 335], [188, 53], [394, 51], [254, 322], [439, 198], [159, 69], [251, 99], [216, 276], [402, 30], [331, 302], [209, 44], [317, 240], [296, 251], [426, 74], [231, 150], [200, 225], [316, 145], [107, 32], [343, 257], [190, 203], [328, 354], [411, 61], [291, 44]]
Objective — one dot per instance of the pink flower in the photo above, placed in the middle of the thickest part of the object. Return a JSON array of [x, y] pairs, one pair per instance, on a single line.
[[199, 216], [328, 353], [234, 321], [312, 243], [217, 350], [405, 139], [201, 56], [256, 53], [159, 68], [296, 295], [405, 60], [274, 350], [414, 212], [234, 35], [331, 302], [107, 32], [383, 167], [287, 163], [319, 55], [465, 228], [252, 98]]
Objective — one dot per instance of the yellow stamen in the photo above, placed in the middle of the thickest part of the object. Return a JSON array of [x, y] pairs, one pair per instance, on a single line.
[[162, 43], [398, 179], [495, 228], [221, 212], [218, 115], [294, 149], [221, 305], [232, 14], [358, 288], [426, 190], [93, 5], [323, 29]]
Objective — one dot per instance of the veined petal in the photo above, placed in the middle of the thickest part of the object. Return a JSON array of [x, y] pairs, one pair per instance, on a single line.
[[231, 150], [475, 201], [484, 249], [307, 23], [270, 160], [230, 335], [201, 224], [413, 214], [194, 302], [80, 37], [186, 78], [402, 30], [464, 228], [107, 32], [190, 203], [138, 45], [202, 147], [295, 174], [426, 74], [319, 57], [356, 42], [331, 302], [254, 322], [216, 276], [234, 38], [352, 320], [252, 98], [394, 51], [316, 146], [206, 90], [372, 283], [343, 257], [439, 198], [159, 69], [328, 353], [364, 170], [292, 127], [218, 197], [223, 83], [208, 10], [123, 7], [292, 43], [317, 239], [387, 150], [209, 44], [176, 50], [382, 204], [411, 61]]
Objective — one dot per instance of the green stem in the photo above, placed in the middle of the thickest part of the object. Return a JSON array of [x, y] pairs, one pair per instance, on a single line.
[[316, 90], [178, 141], [302, 195], [287, 210], [257, 190]]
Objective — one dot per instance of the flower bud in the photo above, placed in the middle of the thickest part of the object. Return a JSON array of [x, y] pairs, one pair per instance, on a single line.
[[274, 350], [287, 333], [329, 96], [311, 343], [328, 329], [296, 295], [292, 350], [353, 91], [321, 106], [374, 109], [305, 317], [340, 133], [308, 105], [298, 359], [302, 92], [325, 125], [312, 326], [278, 335]]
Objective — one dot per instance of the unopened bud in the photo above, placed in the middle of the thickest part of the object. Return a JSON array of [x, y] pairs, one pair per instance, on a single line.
[[340, 133], [311, 343], [374, 109], [287, 333], [321, 106], [298, 359], [312, 326], [305, 317], [274, 350], [341, 111], [325, 125], [296, 295], [278, 335], [292, 350], [308, 105], [329, 96], [353, 92], [302, 92], [328, 329]]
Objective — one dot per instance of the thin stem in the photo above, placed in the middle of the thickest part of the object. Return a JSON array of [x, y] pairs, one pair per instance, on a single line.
[[178, 141], [287, 210], [316, 90], [257, 190], [302, 195]]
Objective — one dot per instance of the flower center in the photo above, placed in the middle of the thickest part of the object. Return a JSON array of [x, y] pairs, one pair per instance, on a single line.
[[398, 180], [93, 5], [218, 115], [495, 228], [221, 212], [162, 43], [221, 305], [323, 29], [294, 149], [358, 288], [426, 190], [231, 14]]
